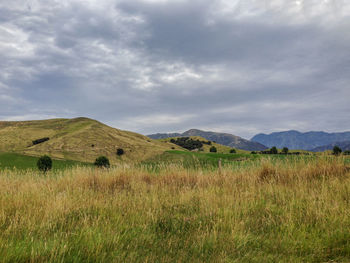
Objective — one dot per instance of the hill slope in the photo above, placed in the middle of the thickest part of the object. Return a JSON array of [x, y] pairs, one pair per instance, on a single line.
[[79, 139], [297, 140], [221, 138], [206, 147]]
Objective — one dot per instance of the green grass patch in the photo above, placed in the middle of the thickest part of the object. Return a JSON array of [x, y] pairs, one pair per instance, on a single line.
[[22, 162]]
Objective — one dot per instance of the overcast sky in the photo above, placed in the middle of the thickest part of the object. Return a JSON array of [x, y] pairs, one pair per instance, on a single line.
[[242, 67]]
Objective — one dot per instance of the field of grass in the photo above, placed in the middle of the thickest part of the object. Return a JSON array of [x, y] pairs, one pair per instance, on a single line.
[[207, 160], [18, 161], [272, 210], [199, 160]]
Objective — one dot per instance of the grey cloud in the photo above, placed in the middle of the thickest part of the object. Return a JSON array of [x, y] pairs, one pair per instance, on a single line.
[[158, 66]]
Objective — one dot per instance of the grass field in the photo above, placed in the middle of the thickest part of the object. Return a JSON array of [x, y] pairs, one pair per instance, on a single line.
[[272, 210], [19, 161], [211, 161]]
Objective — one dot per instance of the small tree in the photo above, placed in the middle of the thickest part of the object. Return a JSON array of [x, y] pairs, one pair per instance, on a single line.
[[120, 151], [233, 151], [102, 161], [213, 149], [336, 150], [346, 152], [44, 163], [285, 150], [274, 150]]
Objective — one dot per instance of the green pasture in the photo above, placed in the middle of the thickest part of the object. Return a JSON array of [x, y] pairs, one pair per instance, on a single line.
[[22, 162]]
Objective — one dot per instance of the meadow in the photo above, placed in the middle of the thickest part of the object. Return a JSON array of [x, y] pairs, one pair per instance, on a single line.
[[23, 162], [252, 210]]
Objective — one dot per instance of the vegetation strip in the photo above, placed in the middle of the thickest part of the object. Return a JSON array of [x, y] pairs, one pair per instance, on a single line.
[[274, 210]]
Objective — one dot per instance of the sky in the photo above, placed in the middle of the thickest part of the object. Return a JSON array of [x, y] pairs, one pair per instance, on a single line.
[[242, 67]]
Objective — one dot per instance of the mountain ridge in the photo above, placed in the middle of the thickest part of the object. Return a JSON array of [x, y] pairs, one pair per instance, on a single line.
[[300, 140], [345, 146]]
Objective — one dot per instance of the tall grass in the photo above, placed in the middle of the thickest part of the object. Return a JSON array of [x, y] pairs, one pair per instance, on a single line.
[[269, 211]]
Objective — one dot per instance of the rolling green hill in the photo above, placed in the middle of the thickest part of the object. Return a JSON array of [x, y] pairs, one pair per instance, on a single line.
[[80, 139]]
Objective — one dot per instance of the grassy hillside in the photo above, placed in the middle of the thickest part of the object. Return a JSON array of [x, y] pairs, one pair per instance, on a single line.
[[79, 139], [267, 212], [221, 138], [206, 148]]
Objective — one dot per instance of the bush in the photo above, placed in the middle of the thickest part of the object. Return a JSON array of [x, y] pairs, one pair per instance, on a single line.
[[233, 151], [274, 150], [285, 150], [253, 152], [336, 150], [213, 149], [187, 143], [35, 142], [346, 152], [102, 161], [44, 163], [120, 151]]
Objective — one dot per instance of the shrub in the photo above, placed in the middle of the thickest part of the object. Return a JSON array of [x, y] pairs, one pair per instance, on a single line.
[[274, 150], [44, 163], [336, 150], [102, 161], [213, 149], [40, 140], [187, 143], [253, 152], [346, 152], [285, 150], [233, 151], [120, 151]]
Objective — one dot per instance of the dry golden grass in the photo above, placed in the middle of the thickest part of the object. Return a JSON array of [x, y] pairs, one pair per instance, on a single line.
[[270, 211]]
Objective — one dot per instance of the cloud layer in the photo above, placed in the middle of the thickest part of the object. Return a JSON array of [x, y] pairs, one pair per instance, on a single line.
[[155, 66]]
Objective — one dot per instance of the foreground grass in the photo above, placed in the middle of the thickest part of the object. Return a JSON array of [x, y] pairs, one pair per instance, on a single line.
[[272, 211]]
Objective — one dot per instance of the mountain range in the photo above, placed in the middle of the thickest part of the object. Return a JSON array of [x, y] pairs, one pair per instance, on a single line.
[[345, 146], [301, 141], [221, 138]]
